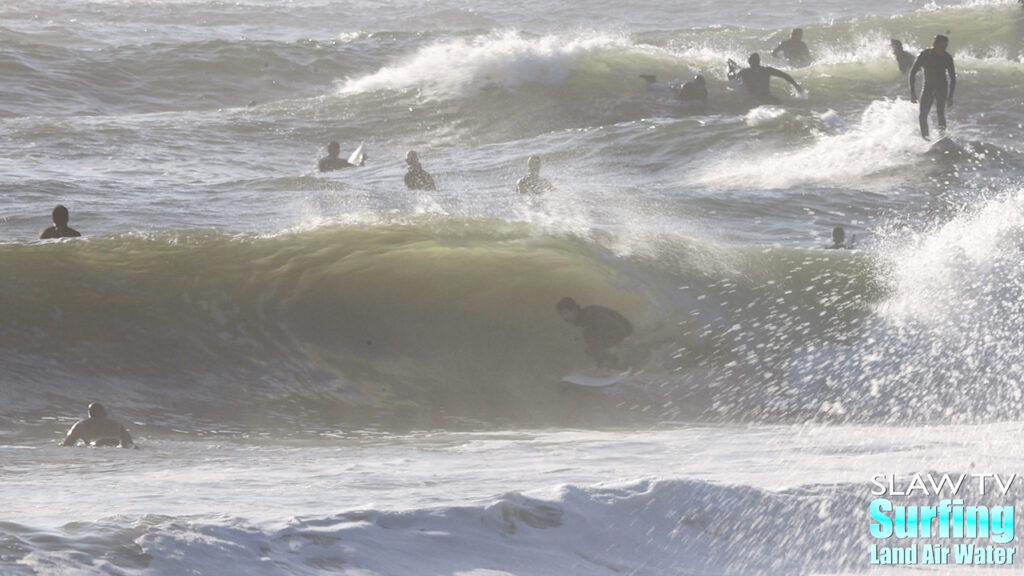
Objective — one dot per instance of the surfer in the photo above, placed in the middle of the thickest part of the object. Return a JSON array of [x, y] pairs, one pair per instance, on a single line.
[[333, 161], [417, 178], [60, 228], [695, 90], [602, 327], [98, 430], [532, 183], [904, 59], [756, 78], [839, 239], [936, 62], [794, 49]]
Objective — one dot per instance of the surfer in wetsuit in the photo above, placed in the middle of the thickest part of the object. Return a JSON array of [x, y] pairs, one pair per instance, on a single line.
[[904, 59], [794, 49], [936, 63], [98, 430], [60, 228], [532, 183], [333, 161], [602, 327], [417, 178], [695, 90], [757, 77]]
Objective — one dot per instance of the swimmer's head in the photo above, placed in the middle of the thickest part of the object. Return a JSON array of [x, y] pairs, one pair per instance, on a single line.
[[96, 410], [754, 59], [412, 158], [838, 235], [333, 148], [533, 164], [698, 79], [797, 33], [941, 42], [568, 309], [60, 215], [896, 44]]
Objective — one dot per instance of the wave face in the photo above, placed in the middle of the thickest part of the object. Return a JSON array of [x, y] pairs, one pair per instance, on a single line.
[[418, 320]]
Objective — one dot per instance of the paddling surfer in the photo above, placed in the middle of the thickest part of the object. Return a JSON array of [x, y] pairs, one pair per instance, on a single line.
[[756, 78], [98, 430]]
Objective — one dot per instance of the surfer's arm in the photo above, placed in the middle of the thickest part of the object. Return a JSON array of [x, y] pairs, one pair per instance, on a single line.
[[913, 77], [951, 69], [780, 74]]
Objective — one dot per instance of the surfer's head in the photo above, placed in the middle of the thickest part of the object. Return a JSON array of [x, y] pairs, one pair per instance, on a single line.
[[333, 148], [754, 60], [60, 215], [940, 43], [797, 33], [412, 158], [838, 235], [96, 410], [897, 46], [699, 80], [533, 164], [568, 309]]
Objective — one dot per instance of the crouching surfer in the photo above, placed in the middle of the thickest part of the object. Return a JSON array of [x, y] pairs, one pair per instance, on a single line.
[[602, 327], [98, 430]]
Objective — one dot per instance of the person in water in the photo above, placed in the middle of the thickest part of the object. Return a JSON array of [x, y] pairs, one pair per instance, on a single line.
[[695, 90], [904, 59], [532, 183], [794, 50], [937, 63], [60, 228], [756, 78], [333, 161], [98, 430], [602, 327], [839, 239], [417, 178]]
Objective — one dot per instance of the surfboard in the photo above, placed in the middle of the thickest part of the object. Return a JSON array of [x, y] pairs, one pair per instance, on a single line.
[[358, 156], [599, 379], [944, 145]]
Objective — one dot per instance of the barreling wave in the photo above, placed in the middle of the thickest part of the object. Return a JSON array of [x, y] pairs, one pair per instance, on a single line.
[[411, 322]]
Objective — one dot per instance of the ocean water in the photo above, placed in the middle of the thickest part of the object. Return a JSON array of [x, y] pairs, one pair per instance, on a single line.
[[330, 374]]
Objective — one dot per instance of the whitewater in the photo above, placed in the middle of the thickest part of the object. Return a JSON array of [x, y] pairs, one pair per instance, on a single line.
[[327, 373]]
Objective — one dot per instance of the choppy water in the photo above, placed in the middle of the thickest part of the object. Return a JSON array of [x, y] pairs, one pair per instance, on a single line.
[[302, 354]]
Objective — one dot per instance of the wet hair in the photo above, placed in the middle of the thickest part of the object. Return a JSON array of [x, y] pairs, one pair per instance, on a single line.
[[838, 235], [797, 33], [532, 162], [940, 39], [411, 157], [60, 215], [896, 43], [333, 147], [96, 410], [754, 59], [699, 79], [567, 303]]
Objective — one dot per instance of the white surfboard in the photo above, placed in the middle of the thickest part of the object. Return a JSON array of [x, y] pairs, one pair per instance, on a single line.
[[598, 379], [358, 156], [945, 145]]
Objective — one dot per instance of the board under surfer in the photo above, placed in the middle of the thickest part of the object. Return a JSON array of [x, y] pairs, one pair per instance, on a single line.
[[98, 430], [603, 328]]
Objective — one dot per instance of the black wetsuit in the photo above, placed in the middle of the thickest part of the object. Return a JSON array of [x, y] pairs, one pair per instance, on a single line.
[[795, 51], [418, 179], [602, 329], [59, 232], [756, 80], [936, 90], [904, 60]]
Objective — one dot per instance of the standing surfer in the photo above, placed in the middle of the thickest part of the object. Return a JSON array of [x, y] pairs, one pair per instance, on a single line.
[[936, 62]]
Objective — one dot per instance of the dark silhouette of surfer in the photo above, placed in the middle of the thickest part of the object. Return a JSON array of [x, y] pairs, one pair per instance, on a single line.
[[98, 430], [904, 59], [756, 78], [532, 183], [417, 178], [695, 90], [60, 228], [794, 50], [839, 239], [333, 161], [602, 327], [937, 63]]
